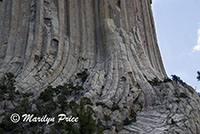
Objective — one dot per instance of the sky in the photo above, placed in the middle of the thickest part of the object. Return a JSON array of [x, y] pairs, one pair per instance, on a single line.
[[178, 32]]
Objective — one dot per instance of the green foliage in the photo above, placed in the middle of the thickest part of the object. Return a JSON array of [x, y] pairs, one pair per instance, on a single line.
[[49, 107], [45, 108], [86, 120], [131, 118], [27, 95], [4, 44], [74, 107], [177, 79], [47, 94], [7, 82], [198, 94], [101, 103], [62, 101], [83, 75], [172, 121], [164, 94], [115, 107], [107, 118], [183, 95], [141, 104], [155, 82], [133, 115], [23, 107], [138, 86], [86, 124], [63, 89], [70, 85], [71, 128], [51, 101], [7, 87], [2, 132], [6, 124], [11, 96], [53, 130], [87, 101], [58, 89], [127, 121], [167, 80], [198, 77], [99, 127], [69, 89]]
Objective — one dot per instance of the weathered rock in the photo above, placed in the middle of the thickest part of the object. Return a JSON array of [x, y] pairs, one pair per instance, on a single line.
[[47, 42]]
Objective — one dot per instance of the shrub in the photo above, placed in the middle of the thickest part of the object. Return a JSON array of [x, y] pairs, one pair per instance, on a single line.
[[74, 107], [7, 82], [62, 101], [47, 94], [198, 77], [99, 127], [49, 108], [131, 118], [177, 79], [86, 124], [53, 130], [183, 95], [138, 86], [172, 121], [6, 123], [71, 128], [26, 95], [115, 107], [83, 75], [102, 104], [45, 104], [45, 108], [64, 90], [127, 121], [107, 117], [133, 115], [155, 82], [24, 107], [167, 80], [87, 101], [86, 121], [58, 89]]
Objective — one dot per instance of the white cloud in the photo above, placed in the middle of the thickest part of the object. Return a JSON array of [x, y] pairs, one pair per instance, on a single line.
[[197, 46]]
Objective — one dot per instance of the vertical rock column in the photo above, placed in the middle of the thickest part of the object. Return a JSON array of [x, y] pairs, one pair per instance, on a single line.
[[47, 41]]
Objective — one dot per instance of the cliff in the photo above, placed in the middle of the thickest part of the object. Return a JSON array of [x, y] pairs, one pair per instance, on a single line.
[[51, 42]]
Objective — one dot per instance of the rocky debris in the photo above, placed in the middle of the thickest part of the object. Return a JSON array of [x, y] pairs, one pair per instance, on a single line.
[[171, 114]]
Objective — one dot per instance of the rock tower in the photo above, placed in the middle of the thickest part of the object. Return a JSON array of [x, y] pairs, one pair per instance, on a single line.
[[47, 42]]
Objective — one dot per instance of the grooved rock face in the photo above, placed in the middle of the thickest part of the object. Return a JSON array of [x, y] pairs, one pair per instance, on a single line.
[[48, 42]]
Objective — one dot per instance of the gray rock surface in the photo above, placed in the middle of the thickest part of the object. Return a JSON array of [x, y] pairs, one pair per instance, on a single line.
[[46, 42]]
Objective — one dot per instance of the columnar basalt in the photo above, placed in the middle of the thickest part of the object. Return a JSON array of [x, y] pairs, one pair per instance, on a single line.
[[47, 42]]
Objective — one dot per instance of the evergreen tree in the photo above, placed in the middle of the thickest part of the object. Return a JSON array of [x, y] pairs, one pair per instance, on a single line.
[[176, 79], [198, 77]]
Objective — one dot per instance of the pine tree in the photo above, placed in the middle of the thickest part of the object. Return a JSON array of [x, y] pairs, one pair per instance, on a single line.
[[198, 77]]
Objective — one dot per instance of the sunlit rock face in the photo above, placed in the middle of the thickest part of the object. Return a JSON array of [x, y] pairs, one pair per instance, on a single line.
[[47, 42]]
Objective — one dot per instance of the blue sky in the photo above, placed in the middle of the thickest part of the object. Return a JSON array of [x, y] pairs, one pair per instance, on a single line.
[[178, 32]]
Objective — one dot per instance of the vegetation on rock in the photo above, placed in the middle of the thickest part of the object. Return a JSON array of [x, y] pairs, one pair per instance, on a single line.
[[198, 77], [52, 101], [177, 79]]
